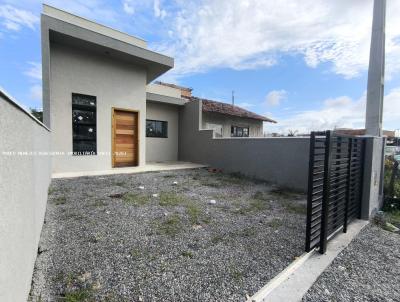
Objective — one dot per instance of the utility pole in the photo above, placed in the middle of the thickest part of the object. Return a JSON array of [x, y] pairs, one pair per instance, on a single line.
[[233, 98], [376, 71]]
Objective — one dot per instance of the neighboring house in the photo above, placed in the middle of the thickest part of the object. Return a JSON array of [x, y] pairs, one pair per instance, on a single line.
[[231, 121], [100, 106], [225, 119]]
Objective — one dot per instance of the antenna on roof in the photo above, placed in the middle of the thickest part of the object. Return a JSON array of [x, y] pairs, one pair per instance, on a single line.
[[233, 98]]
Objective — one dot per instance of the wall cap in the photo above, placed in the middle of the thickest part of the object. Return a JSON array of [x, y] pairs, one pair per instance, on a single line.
[[6, 96]]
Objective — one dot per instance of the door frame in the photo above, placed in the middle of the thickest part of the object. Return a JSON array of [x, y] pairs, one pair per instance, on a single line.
[[113, 109]]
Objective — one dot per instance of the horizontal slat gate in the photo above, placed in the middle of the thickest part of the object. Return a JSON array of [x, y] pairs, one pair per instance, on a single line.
[[334, 185]]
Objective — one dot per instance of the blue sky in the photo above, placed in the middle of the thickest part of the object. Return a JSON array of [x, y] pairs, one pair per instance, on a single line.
[[302, 63]]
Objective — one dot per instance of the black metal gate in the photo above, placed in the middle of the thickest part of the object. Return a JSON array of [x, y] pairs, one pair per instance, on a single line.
[[334, 185]]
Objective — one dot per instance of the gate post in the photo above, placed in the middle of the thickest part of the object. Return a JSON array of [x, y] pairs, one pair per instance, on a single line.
[[373, 166]]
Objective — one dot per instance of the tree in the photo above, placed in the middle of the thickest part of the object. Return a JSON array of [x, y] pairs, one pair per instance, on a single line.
[[37, 113]]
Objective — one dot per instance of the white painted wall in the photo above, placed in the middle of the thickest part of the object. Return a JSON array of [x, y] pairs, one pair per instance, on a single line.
[[24, 181], [163, 149], [226, 121], [114, 83]]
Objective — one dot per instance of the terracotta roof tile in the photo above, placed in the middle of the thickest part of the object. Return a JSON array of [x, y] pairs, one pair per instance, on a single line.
[[224, 108]]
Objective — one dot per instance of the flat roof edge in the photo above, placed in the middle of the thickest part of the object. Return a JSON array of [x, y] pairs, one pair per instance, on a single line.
[[154, 97], [60, 14], [87, 35]]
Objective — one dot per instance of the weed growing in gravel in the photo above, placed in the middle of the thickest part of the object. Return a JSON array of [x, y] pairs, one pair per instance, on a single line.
[[246, 232], [295, 208], [217, 239], [136, 253], [169, 176], [171, 199], [171, 226], [188, 254], [194, 213], [236, 274], [257, 203], [99, 203], [60, 200], [275, 223], [211, 182], [119, 183], [135, 199], [50, 191], [79, 295]]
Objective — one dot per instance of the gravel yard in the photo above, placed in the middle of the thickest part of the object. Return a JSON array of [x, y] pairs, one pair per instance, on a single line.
[[188, 235], [367, 270]]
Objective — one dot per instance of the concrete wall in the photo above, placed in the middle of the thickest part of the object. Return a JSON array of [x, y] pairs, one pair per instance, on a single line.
[[24, 181], [226, 121], [283, 161], [163, 149], [114, 83]]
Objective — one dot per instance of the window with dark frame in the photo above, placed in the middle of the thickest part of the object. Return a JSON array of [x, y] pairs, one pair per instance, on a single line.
[[156, 128], [84, 124], [239, 131]]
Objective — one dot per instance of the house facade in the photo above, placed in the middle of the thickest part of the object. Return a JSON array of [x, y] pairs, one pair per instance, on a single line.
[[101, 105]]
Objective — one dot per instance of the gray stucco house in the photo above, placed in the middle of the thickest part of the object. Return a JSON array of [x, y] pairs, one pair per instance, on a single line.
[[100, 103]]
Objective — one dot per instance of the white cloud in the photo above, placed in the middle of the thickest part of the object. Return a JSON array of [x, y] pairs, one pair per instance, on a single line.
[[34, 71], [128, 7], [275, 97], [340, 112], [158, 11], [35, 93], [254, 34], [14, 19]]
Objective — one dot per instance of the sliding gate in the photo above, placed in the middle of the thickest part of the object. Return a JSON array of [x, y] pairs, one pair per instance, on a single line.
[[334, 185]]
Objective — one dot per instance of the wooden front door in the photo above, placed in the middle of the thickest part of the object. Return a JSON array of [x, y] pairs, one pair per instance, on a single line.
[[125, 138]]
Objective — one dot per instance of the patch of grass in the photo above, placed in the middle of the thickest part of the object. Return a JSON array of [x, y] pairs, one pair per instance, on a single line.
[[281, 192], [275, 223], [257, 203], [217, 239], [60, 200], [188, 254], [394, 217], [194, 213], [50, 191], [169, 176], [80, 295], [136, 253], [246, 232], [236, 274], [211, 182], [99, 203], [119, 183], [295, 208], [170, 226], [171, 199], [135, 199]]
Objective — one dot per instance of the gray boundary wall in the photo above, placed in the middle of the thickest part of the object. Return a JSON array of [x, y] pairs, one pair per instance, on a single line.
[[24, 182], [283, 161]]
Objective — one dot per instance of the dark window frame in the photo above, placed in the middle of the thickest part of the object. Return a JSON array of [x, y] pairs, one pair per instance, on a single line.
[[156, 134], [238, 131], [82, 103]]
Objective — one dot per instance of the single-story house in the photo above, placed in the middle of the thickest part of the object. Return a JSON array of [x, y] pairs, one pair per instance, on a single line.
[[102, 107]]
